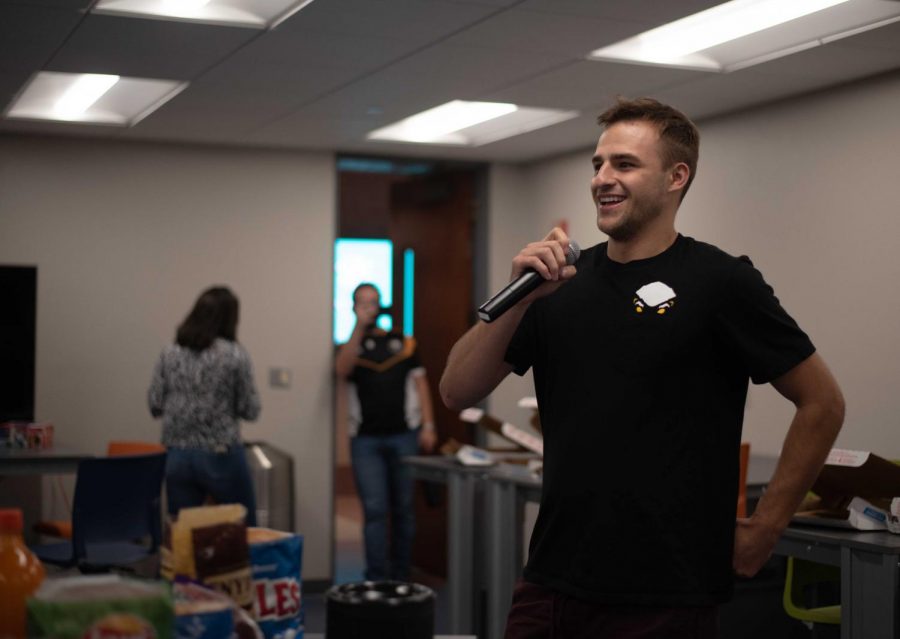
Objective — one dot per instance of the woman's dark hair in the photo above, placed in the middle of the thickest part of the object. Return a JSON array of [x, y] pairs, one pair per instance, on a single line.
[[215, 314]]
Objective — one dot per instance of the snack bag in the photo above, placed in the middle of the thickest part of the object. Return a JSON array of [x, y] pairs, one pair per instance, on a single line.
[[208, 545], [201, 613], [101, 607], [277, 558]]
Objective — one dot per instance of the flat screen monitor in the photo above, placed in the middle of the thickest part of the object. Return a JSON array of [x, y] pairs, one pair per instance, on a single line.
[[18, 301]]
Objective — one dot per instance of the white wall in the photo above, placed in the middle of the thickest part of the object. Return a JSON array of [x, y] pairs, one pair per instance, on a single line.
[[511, 224], [125, 236], [807, 188]]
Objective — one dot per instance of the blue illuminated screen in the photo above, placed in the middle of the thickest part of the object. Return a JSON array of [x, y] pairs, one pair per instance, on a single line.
[[357, 261]]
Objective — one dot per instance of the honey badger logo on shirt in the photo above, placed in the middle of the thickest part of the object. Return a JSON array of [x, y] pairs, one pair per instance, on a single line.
[[655, 297]]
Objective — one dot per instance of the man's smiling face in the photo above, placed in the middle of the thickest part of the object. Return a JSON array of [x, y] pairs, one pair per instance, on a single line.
[[629, 186]]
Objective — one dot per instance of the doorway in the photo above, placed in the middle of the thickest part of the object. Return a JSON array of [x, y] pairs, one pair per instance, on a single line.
[[428, 211]]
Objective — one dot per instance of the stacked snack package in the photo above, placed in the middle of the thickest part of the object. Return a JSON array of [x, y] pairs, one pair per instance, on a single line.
[[101, 607], [208, 545], [257, 569], [277, 561]]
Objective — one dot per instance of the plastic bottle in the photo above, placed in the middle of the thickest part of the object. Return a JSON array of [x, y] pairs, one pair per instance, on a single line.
[[20, 574]]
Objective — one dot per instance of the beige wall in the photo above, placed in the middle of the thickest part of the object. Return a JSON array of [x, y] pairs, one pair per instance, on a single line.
[[809, 190], [126, 235], [511, 225]]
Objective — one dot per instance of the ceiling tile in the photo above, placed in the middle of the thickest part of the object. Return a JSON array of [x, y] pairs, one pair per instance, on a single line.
[[11, 82], [421, 21], [59, 4], [307, 50], [293, 84], [571, 35], [432, 77], [724, 93], [29, 35], [147, 48], [493, 3], [316, 130], [588, 83], [646, 12]]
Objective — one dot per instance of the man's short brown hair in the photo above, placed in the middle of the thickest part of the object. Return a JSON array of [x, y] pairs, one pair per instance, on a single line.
[[680, 137]]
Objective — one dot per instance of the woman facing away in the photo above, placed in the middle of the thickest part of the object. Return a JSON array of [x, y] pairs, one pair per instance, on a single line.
[[202, 385]]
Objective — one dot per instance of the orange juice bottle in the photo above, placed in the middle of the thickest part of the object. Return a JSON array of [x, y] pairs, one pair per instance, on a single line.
[[20, 574]]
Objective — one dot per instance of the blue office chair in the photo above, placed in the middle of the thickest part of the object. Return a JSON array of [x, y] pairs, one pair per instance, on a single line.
[[116, 514]]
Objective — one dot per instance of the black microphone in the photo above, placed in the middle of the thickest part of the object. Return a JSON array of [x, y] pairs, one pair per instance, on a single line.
[[515, 291]]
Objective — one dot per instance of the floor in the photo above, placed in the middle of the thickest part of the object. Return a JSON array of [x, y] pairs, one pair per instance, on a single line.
[[350, 563]]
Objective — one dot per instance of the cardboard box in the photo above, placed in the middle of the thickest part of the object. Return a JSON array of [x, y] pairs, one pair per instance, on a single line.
[[853, 490]]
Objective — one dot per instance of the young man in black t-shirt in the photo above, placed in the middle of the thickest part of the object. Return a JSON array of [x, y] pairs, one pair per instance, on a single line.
[[389, 417], [642, 350]]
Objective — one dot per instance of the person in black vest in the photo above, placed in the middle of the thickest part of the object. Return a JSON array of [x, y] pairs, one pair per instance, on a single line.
[[641, 353], [390, 417]]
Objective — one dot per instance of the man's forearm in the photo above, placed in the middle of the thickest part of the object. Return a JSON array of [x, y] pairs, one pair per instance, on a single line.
[[476, 362], [808, 442]]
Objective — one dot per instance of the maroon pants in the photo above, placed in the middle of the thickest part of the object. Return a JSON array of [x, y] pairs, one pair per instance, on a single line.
[[541, 613]]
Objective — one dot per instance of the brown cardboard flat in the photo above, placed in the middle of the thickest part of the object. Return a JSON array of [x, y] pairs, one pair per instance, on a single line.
[[845, 475], [876, 478]]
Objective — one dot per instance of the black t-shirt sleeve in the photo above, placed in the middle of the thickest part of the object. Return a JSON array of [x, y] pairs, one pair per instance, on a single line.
[[521, 349], [752, 321]]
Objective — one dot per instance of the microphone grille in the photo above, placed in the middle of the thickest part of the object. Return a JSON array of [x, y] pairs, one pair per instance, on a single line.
[[573, 252]]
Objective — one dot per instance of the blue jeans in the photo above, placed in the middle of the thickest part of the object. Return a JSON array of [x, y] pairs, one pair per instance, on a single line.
[[193, 474], [386, 486]]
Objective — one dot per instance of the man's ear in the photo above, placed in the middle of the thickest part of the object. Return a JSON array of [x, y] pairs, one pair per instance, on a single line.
[[678, 176]]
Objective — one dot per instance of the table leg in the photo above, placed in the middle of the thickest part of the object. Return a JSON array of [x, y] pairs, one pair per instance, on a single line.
[[460, 562], [503, 554], [869, 595]]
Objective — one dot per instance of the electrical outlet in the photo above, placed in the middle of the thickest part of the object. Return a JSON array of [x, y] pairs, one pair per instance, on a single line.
[[280, 377]]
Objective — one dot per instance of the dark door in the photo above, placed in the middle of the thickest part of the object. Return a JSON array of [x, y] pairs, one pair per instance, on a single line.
[[434, 215]]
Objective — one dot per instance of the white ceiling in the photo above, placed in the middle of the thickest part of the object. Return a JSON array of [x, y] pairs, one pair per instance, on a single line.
[[341, 68]]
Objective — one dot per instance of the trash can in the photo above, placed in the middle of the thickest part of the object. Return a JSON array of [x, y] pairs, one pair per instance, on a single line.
[[379, 610], [273, 482]]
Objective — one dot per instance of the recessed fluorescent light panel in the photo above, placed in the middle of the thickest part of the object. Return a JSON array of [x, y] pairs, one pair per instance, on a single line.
[[91, 98], [462, 123], [741, 33], [258, 14]]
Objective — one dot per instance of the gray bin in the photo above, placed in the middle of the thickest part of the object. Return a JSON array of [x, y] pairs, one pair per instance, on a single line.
[[273, 483]]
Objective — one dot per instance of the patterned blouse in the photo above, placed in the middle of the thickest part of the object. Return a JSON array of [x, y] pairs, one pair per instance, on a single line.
[[201, 395]]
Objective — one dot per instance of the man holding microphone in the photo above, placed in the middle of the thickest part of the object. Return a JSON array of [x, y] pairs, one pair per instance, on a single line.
[[642, 351]]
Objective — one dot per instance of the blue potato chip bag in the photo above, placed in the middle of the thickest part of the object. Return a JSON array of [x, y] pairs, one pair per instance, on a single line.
[[276, 561]]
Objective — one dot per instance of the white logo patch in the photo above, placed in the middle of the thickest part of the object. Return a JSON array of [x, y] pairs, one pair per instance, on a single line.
[[656, 296]]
